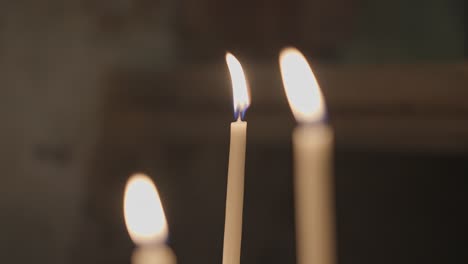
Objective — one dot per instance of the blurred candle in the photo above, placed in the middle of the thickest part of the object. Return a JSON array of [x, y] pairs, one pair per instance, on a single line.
[[312, 142], [146, 222], [235, 181]]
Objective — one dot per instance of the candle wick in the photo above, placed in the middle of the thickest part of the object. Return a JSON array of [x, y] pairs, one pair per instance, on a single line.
[[239, 113]]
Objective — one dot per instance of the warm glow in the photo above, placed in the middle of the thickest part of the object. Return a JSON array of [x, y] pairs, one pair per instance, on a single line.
[[302, 89], [239, 84], [143, 211]]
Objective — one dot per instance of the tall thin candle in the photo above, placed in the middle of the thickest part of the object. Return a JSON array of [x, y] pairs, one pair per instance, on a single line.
[[146, 222], [312, 141], [235, 181]]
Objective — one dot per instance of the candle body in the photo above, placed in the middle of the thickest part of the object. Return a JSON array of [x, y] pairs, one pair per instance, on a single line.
[[235, 194], [157, 254], [315, 228]]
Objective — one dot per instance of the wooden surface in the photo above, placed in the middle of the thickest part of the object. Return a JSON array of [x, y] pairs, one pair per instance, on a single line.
[[413, 107]]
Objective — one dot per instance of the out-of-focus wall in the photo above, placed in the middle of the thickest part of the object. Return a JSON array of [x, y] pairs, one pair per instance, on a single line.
[[49, 94], [68, 141]]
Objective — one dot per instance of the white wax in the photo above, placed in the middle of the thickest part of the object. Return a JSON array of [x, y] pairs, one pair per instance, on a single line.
[[157, 254], [315, 226], [235, 194]]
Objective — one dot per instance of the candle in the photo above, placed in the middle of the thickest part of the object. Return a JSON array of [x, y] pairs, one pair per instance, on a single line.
[[146, 222], [312, 142], [235, 181]]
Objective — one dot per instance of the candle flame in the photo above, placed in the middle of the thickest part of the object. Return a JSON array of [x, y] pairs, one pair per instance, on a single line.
[[239, 86], [302, 90], [143, 211]]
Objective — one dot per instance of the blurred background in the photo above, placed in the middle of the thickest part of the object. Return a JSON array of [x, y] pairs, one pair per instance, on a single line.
[[92, 91]]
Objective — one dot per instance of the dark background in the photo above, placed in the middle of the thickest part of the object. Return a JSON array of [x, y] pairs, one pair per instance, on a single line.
[[92, 91]]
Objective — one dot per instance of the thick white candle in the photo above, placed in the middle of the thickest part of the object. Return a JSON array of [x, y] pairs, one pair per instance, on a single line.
[[312, 184], [146, 222], [156, 254], [312, 142], [235, 182]]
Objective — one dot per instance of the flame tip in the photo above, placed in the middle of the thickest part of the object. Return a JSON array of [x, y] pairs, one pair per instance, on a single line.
[[289, 48], [138, 175]]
